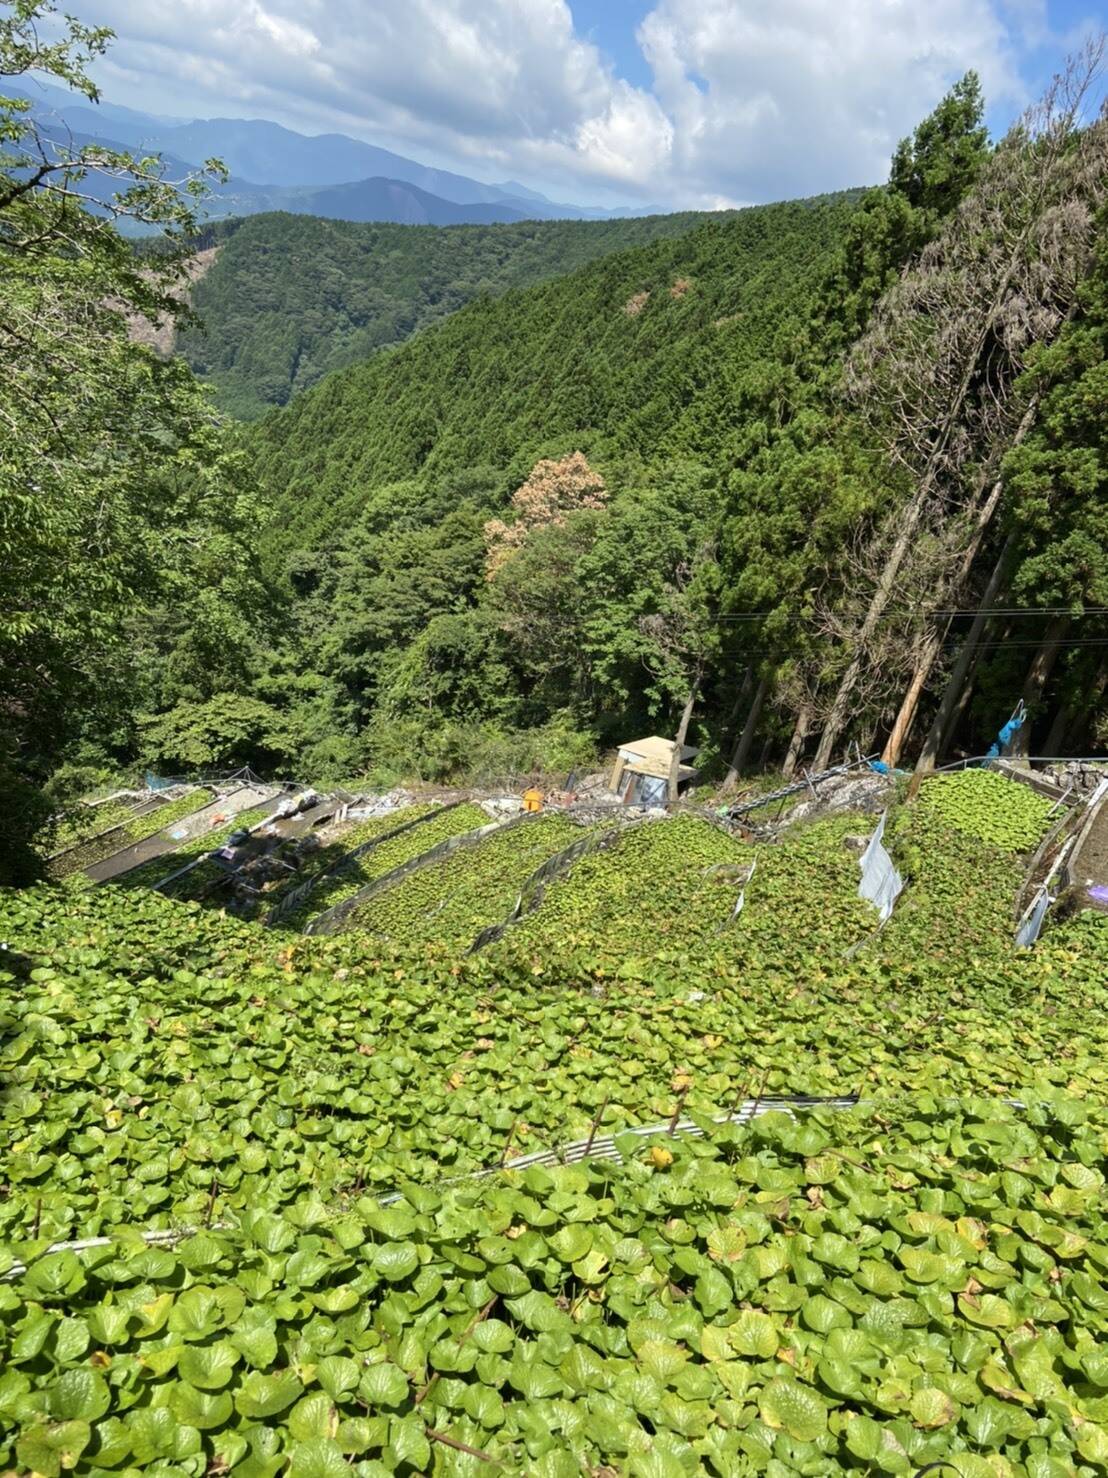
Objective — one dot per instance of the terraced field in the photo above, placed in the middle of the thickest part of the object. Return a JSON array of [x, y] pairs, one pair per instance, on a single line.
[[392, 853], [450, 902], [154, 872], [914, 1279], [104, 844]]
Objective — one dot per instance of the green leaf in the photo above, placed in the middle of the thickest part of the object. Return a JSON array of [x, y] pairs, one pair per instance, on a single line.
[[201, 1252], [662, 1358], [255, 1337], [271, 1232], [71, 1340], [987, 1310], [79, 1394], [713, 1292], [931, 1407], [787, 1405], [111, 1444], [532, 1378], [485, 1406], [823, 1314], [203, 1409], [753, 1333], [261, 1396], [1092, 1444], [32, 1336], [156, 1433], [196, 1314], [395, 1261], [383, 1384], [337, 1374], [358, 1434], [509, 1280], [571, 1242], [305, 1269], [208, 1366], [494, 1335], [313, 1416], [537, 1311], [57, 1273], [319, 1457], [54, 1448], [841, 1377], [407, 1440], [108, 1324], [583, 1370]]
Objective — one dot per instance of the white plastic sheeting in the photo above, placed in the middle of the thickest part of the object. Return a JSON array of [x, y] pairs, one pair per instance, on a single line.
[[1032, 921], [881, 883], [740, 901]]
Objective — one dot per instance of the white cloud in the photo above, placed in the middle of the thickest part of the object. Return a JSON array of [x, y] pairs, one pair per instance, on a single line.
[[773, 101], [751, 100]]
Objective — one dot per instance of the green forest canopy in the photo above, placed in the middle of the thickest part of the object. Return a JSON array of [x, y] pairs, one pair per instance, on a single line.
[[637, 354], [289, 297], [752, 499]]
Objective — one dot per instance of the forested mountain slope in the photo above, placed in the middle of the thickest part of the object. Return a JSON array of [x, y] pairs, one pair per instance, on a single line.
[[774, 472], [802, 476], [632, 355], [291, 297]]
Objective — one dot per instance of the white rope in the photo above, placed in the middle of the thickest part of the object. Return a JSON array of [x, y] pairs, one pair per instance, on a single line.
[[598, 1148]]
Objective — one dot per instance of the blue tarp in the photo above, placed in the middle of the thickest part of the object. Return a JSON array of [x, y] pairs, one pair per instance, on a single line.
[[1008, 733]]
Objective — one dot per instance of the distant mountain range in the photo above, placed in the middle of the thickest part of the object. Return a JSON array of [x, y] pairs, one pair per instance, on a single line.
[[274, 168]]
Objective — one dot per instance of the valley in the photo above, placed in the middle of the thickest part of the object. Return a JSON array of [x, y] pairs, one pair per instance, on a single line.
[[403, 1069]]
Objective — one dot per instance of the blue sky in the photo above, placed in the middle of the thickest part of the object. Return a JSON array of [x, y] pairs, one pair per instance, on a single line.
[[611, 24], [684, 102]]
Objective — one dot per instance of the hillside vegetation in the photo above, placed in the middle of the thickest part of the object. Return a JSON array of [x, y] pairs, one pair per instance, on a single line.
[[291, 298], [804, 476], [635, 354], [817, 473], [646, 1150]]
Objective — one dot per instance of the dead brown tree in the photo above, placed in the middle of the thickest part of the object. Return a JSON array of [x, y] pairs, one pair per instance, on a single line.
[[934, 374]]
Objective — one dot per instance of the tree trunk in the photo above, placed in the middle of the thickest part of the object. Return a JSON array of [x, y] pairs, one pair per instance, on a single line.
[[933, 644], [1054, 741], [1090, 705], [732, 719], [740, 696], [746, 738], [902, 724], [966, 657], [796, 743], [682, 735], [840, 709], [962, 702], [1034, 684]]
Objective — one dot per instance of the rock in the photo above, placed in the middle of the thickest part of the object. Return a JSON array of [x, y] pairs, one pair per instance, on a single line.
[[502, 806], [866, 792]]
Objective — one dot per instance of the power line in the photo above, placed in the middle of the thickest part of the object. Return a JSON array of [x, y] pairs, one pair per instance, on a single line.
[[781, 650], [901, 611]]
